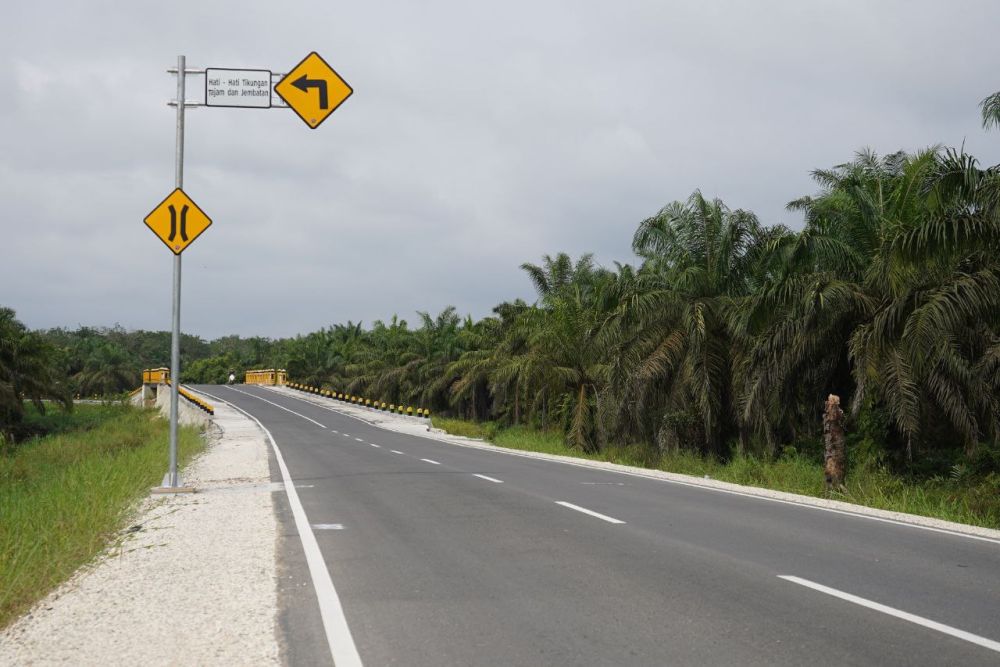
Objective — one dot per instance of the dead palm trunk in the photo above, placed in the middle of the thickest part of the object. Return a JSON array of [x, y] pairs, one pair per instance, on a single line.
[[835, 465]]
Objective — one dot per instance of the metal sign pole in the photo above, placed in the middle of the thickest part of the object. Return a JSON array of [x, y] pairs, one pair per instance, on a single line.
[[175, 338], [227, 87]]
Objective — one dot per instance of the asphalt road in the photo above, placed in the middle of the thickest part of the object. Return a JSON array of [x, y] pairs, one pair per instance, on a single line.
[[445, 555]]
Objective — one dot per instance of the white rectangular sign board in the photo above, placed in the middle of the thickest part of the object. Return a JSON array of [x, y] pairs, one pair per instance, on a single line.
[[248, 88]]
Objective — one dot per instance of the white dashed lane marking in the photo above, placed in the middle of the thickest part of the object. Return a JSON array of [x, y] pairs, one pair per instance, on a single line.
[[430, 461], [488, 479], [602, 517], [898, 613]]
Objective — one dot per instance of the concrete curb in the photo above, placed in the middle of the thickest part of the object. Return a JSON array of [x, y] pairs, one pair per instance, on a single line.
[[410, 426]]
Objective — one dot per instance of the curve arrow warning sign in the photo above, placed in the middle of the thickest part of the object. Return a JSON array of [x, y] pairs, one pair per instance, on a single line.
[[313, 89]]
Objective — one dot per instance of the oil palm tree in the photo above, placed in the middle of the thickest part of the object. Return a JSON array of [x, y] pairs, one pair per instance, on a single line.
[[106, 370], [677, 343], [894, 278], [28, 371], [990, 108]]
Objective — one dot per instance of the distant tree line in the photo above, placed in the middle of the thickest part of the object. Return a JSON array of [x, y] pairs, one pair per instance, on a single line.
[[62, 364]]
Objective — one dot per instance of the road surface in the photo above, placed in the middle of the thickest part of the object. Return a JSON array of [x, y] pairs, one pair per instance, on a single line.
[[445, 555]]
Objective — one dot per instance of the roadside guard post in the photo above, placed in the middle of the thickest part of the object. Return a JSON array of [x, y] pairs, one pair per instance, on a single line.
[[312, 89]]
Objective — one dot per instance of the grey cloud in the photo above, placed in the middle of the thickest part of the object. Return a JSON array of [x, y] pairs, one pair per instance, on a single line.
[[480, 136]]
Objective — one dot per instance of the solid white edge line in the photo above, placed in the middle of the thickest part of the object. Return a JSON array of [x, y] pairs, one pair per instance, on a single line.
[[494, 449], [898, 613], [260, 398], [592, 513], [338, 634], [488, 479], [430, 461]]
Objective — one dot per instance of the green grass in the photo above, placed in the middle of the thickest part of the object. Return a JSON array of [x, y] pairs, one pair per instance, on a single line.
[[975, 500], [64, 496], [460, 427], [54, 420]]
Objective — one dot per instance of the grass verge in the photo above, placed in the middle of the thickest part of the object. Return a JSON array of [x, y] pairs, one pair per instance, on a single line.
[[973, 501], [65, 495]]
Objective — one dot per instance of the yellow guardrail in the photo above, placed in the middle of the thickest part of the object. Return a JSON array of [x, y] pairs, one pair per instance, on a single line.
[[155, 375], [373, 404], [202, 405], [268, 376]]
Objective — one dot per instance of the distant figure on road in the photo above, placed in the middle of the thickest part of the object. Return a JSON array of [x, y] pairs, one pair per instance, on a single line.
[[232, 378]]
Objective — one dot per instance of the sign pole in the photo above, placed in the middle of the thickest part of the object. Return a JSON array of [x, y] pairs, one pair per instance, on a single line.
[[175, 337], [313, 90]]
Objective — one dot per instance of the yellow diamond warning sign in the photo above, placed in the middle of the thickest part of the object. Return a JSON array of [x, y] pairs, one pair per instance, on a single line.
[[313, 90], [177, 221]]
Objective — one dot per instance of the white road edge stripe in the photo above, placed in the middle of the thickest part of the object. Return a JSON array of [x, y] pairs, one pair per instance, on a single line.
[[891, 611], [338, 634], [643, 475], [430, 461], [246, 393], [603, 517], [488, 479]]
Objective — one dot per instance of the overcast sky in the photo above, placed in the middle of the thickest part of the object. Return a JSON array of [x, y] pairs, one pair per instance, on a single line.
[[479, 136]]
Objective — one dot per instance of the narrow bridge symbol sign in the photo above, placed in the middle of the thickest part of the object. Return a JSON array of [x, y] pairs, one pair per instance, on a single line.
[[177, 221]]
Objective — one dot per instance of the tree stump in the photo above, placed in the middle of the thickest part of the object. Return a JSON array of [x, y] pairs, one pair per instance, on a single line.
[[835, 464]]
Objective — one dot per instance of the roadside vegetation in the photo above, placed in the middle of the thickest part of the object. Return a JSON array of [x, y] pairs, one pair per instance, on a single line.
[[65, 495]]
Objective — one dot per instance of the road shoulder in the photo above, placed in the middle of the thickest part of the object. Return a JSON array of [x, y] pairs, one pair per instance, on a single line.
[[193, 581]]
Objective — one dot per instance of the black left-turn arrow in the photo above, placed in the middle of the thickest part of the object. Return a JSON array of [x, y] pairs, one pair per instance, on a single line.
[[304, 83]]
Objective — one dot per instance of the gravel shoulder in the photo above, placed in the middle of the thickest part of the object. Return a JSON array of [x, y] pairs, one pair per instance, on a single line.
[[193, 581]]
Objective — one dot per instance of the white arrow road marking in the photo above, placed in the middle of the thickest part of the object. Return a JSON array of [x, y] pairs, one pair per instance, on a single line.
[[602, 517], [891, 611]]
